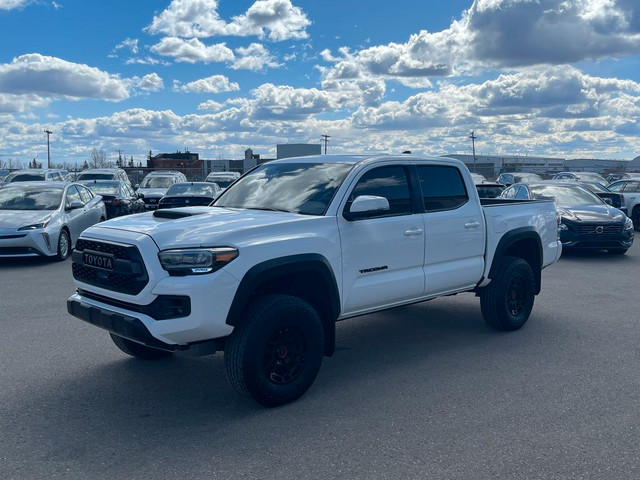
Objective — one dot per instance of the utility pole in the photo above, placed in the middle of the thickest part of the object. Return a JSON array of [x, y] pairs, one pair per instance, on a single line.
[[325, 138], [48, 132], [473, 143]]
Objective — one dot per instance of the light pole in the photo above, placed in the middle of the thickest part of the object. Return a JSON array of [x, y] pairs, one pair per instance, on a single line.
[[48, 132], [473, 143]]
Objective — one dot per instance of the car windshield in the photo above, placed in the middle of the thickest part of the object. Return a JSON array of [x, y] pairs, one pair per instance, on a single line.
[[566, 196], [305, 188], [196, 189], [95, 176], [157, 182], [24, 177], [32, 198], [222, 182], [104, 188]]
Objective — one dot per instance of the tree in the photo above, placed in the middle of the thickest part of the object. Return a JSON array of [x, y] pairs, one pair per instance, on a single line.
[[131, 161], [119, 162], [85, 165], [97, 158], [150, 160]]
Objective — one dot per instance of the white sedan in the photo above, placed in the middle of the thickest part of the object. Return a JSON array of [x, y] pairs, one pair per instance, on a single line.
[[45, 218]]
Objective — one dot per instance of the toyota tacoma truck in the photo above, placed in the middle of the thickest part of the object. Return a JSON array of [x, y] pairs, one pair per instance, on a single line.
[[297, 244]]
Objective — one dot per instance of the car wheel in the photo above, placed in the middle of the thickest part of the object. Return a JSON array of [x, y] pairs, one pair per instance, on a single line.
[[64, 245], [138, 350], [617, 251], [275, 354], [507, 301]]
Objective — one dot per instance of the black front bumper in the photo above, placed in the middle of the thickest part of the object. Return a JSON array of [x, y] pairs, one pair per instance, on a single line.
[[122, 325]]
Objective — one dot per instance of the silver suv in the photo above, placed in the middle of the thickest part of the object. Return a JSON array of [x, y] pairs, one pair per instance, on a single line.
[[36, 175], [103, 174], [155, 185]]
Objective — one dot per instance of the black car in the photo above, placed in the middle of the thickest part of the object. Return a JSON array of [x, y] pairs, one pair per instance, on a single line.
[[118, 196], [189, 194], [587, 221], [489, 189]]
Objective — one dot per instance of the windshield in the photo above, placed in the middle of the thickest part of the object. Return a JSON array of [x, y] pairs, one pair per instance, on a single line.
[[222, 183], [18, 198], [24, 177], [95, 176], [104, 188], [157, 182], [566, 196], [305, 188], [197, 189]]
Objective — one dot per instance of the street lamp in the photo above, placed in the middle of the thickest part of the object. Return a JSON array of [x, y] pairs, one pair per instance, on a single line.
[[48, 132]]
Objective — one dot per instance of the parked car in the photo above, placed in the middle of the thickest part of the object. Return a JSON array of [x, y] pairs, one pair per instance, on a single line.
[[630, 188], [36, 175], [3, 173], [118, 196], [478, 178], [587, 221], [614, 177], [103, 174], [489, 189], [45, 218], [223, 179], [190, 194], [617, 199], [154, 186], [581, 176], [507, 179]]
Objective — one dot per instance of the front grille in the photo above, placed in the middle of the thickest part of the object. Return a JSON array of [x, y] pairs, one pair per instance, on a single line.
[[597, 230], [11, 237], [128, 275]]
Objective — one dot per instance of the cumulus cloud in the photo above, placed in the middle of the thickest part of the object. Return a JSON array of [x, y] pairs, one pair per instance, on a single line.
[[210, 105], [53, 77], [130, 44], [254, 57], [502, 34], [12, 4], [274, 19], [149, 83], [21, 103], [212, 84], [192, 50]]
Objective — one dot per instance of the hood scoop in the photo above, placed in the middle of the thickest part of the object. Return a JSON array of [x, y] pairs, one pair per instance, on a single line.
[[173, 214]]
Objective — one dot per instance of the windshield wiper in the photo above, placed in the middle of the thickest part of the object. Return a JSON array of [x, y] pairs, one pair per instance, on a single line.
[[269, 209]]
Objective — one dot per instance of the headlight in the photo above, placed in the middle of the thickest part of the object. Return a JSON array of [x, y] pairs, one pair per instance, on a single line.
[[628, 224], [562, 226], [35, 226], [196, 261]]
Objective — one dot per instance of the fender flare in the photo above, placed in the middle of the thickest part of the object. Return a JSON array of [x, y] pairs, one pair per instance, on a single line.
[[512, 237]]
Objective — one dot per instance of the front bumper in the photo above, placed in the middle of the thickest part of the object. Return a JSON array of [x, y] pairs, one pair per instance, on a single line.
[[35, 243], [596, 240]]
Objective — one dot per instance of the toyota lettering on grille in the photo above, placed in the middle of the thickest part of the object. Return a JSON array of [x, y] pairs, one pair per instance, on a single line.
[[98, 260]]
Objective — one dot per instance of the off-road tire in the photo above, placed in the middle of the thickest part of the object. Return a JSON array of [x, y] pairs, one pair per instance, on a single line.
[[274, 355], [507, 301], [138, 350]]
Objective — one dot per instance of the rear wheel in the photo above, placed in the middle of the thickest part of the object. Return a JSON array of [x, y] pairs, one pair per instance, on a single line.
[[275, 354], [507, 301], [138, 350]]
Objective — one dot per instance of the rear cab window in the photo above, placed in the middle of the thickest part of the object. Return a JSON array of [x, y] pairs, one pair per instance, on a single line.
[[442, 187]]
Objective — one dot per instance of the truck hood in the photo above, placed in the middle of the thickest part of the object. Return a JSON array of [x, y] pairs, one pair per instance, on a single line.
[[190, 227]]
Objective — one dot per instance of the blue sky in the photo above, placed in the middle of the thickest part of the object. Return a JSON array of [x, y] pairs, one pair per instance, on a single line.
[[530, 77]]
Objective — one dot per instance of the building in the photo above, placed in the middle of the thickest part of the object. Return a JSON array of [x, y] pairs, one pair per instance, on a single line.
[[492, 165], [288, 150]]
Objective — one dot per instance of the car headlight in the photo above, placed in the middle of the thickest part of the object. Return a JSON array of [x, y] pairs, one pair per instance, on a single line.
[[628, 224], [35, 226], [562, 227], [196, 261]]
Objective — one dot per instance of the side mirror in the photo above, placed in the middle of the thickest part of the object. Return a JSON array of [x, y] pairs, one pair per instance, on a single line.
[[365, 206], [75, 205]]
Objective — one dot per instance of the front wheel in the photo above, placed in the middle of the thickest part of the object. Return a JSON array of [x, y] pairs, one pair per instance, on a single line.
[[64, 245], [507, 301], [275, 354], [138, 350]]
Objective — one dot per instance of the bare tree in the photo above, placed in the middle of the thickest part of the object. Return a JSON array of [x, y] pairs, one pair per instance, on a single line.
[[97, 158]]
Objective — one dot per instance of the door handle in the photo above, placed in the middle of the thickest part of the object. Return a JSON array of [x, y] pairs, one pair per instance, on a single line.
[[472, 224], [414, 232]]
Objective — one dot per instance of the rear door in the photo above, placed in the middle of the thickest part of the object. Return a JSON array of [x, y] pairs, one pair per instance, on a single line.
[[383, 253], [454, 230]]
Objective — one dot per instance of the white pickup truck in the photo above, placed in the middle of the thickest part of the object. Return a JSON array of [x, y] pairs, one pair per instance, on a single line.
[[298, 244]]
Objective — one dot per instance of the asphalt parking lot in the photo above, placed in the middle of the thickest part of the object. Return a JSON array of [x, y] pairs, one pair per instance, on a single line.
[[426, 391]]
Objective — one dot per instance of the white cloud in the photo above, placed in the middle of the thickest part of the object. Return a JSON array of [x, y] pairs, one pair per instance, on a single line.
[[212, 84], [145, 61], [21, 103], [12, 4], [210, 105], [53, 77], [502, 34], [130, 44], [151, 82], [254, 57], [193, 50], [275, 19]]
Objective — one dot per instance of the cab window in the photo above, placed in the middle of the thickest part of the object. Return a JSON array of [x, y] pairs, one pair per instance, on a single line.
[[389, 182], [442, 187]]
